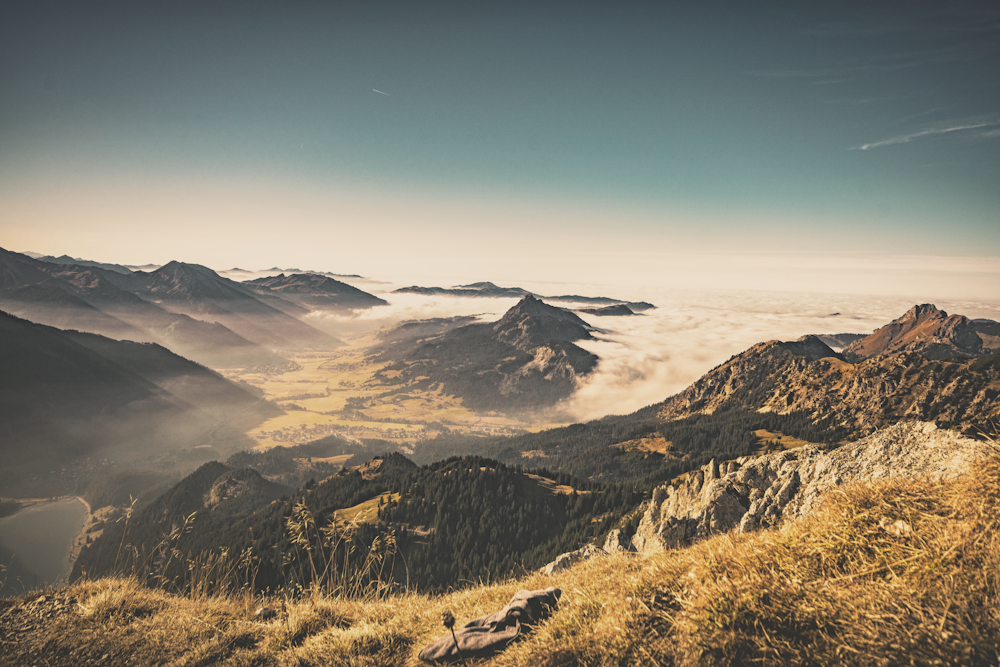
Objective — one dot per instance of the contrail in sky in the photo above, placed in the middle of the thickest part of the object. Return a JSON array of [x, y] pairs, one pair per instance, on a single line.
[[906, 138], [381, 93]]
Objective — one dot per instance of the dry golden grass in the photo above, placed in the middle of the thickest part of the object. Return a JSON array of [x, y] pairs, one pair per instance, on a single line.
[[786, 441], [366, 512], [898, 573]]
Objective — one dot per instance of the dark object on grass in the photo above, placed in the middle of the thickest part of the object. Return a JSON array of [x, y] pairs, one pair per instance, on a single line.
[[491, 634]]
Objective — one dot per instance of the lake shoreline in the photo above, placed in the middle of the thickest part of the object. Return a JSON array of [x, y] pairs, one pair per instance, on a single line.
[[69, 550]]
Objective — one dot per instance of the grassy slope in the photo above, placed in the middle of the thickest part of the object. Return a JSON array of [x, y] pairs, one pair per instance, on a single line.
[[882, 575]]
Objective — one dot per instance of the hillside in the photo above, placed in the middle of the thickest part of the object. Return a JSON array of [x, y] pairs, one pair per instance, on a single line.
[[893, 572], [92, 299], [457, 520], [67, 395], [860, 397], [525, 361]]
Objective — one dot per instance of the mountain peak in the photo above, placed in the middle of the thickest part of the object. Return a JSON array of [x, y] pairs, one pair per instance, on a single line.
[[924, 329], [533, 307], [923, 311], [532, 322]]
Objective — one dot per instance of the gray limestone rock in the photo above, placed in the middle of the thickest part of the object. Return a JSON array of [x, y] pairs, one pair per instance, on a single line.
[[568, 560], [752, 493], [618, 543]]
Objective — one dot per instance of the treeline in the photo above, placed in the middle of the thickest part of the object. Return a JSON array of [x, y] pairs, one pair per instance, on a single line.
[[482, 520], [589, 451], [222, 528]]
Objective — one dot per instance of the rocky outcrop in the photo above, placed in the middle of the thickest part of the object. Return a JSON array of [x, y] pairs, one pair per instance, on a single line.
[[617, 542], [924, 329], [752, 493], [568, 560], [807, 377]]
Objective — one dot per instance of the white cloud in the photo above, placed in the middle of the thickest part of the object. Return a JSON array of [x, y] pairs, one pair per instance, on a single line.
[[408, 307], [647, 358], [652, 357]]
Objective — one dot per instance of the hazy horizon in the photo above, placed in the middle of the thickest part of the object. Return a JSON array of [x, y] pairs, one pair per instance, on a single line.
[[772, 146]]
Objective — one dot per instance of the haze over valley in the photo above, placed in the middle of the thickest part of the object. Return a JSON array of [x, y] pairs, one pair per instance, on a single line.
[[322, 322]]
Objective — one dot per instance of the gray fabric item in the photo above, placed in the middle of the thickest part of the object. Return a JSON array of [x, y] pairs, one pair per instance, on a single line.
[[491, 634]]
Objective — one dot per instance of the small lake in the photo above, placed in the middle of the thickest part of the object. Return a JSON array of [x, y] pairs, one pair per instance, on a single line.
[[35, 544]]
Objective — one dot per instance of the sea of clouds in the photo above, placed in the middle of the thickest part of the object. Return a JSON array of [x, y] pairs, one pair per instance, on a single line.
[[648, 357]]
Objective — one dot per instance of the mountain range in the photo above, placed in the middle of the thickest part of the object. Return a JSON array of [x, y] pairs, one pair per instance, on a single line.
[[66, 396], [920, 366], [187, 308], [489, 290], [803, 390], [800, 390]]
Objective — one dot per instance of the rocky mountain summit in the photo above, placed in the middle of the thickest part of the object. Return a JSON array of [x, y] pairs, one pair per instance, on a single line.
[[752, 493], [926, 330], [860, 393]]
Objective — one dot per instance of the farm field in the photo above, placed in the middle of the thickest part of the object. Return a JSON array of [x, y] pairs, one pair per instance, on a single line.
[[340, 392]]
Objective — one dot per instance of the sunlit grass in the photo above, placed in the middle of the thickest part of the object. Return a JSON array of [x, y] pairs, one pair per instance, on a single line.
[[366, 512], [898, 572]]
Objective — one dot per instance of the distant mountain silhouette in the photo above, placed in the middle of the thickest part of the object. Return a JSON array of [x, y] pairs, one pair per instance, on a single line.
[[525, 361], [488, 289], [316, 291], [66, 259], [617, 310], [199, 292], [99, 301], [66, 394], [480, 289]]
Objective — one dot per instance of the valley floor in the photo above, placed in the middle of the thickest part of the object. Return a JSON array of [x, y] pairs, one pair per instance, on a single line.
[[900, 572], [341, 392]]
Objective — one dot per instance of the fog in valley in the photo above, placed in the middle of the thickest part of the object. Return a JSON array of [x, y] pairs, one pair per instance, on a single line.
[[652, 355]]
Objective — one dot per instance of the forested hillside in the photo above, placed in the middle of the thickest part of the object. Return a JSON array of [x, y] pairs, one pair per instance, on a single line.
[[464, 519]]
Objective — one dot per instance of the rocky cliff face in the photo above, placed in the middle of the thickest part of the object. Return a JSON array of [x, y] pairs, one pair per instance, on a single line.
[[924, 329], [751, 493], [807, 376]]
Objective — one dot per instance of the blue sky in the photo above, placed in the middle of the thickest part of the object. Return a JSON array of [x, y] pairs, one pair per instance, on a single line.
[[374, 137]]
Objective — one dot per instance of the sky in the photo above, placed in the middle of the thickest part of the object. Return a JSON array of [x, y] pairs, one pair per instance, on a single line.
[[835, 147]]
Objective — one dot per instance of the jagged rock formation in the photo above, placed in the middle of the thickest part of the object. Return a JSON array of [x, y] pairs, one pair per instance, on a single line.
[[751, 493], [617, 542], [924, 329], [808, 376]]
